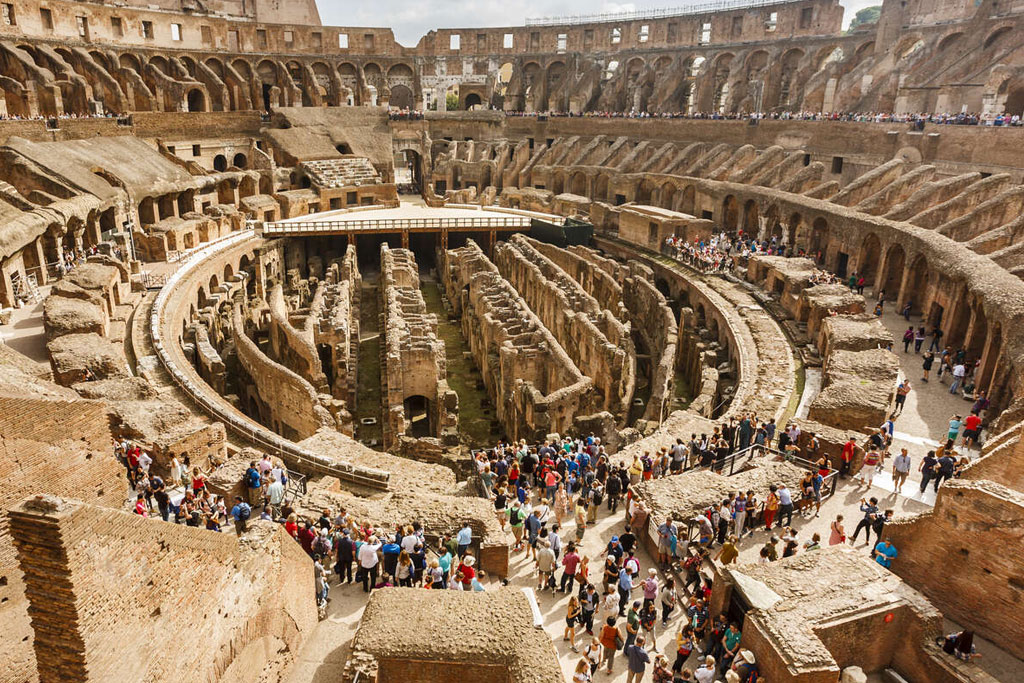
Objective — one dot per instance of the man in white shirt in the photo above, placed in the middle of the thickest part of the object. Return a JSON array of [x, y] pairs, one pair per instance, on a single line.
[[145, 461], [900, 469], [958, 377], [368, 562], [275, 494]]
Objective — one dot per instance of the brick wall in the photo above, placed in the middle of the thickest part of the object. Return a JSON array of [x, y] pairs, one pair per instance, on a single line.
[[59, 447], [198, 124], [418, 670], [118, 597], [967, 558]]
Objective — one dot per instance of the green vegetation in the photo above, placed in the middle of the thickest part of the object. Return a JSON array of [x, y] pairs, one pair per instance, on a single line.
[[868, 15]]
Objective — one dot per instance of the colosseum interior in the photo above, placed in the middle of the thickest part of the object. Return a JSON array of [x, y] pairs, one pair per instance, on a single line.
[[383, 278]]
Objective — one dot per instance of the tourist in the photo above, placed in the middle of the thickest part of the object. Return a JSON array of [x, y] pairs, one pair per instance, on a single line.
[[814, 543], [785, 505], [871, 462], [929, 360], [582, 672], [728, 553], [900, 470], [667, 534], [593, 654], [253, 484], [625, 586], [632, 624], [837, 533], [870, 510], [929, 470], [648, 622], [771, 506], [611, 640], [972, 430], [685, 645], [908, 338], [650, 587], [668, 599], [638, 660], [572, 616], [960, 645], [570, 563], [368, 562], [661, 673], [885, 553], [240, 513], [545, 564], [705, 673], [901, 396]]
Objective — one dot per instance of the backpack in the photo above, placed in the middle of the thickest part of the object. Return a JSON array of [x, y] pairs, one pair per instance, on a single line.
[[321, 545], [244, 511], [252, 478]]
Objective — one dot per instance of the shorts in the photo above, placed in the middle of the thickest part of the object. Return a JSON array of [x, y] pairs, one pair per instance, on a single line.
[[570, 622], [970, 434], [664, 549]]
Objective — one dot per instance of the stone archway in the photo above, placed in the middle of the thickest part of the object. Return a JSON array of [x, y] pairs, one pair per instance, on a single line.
[[915, 285], [869, 258], [892, 274]]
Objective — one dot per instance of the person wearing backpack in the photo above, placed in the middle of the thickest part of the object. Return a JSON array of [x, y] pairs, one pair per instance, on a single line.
[[253, 484], [241, 512]]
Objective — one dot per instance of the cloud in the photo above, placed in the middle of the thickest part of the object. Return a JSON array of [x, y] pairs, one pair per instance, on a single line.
[[412, 19]]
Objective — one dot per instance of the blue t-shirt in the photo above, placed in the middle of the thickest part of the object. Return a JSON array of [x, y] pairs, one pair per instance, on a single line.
[[465, 536], [884, 554]]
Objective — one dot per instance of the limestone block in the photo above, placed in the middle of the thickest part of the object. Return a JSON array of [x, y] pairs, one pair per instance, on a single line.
[[853, 674], [62, 316], [73, 354]]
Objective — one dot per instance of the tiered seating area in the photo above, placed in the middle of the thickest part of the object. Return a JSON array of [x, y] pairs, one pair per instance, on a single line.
[[327, 173]]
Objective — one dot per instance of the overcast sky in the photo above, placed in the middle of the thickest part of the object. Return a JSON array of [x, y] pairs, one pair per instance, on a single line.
[[411, 19]]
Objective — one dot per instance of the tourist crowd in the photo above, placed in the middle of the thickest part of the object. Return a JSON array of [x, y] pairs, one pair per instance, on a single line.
[[919, 118]]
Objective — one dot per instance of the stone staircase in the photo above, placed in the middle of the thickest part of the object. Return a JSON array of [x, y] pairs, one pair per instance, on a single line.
[[348, 172]]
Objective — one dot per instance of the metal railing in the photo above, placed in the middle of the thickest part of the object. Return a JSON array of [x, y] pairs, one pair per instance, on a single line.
[[397, 225], [656, 13]]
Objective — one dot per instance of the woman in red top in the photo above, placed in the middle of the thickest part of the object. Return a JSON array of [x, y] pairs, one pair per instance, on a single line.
[[292, 526], [467, 571], [198, 481]]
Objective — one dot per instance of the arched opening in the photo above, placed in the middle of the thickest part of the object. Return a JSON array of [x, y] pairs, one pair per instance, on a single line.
[[750, 222], [773, 226], [578, 185], [220, 163], [870, 255], [996, 36], [895, 262], [417, 412], [688, 202], [473, 101], [401, 97], [229, 272], [213, 284], [601, 188], [730, 213], [915, 286], [196, 100], [240, 161], [668, 196], [819, 237], [644, 192], [409, 171]]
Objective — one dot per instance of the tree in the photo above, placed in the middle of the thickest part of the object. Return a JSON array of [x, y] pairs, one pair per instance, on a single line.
[[451, 100], [868, 15]]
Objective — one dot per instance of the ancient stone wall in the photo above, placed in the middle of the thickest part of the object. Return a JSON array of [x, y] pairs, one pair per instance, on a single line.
[[338, 325], [536, 387], [965, 555], [61, 447], [101, 582], [415, 395], [288, 403], [598, 343]]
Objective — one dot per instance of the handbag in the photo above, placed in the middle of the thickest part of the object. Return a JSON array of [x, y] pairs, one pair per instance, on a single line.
[[618, 641]]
